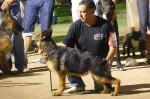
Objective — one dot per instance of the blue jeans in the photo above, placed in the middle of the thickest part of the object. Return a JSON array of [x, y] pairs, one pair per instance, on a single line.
[[17, 41], [32, 9], [143, 15], [76, 81]]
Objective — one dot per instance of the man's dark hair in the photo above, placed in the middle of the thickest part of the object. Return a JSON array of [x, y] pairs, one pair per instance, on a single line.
[[88, 3]]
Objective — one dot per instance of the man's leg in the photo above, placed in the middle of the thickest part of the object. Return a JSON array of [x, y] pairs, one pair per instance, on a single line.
[[30, 15], [143, 15], [46, 17], [17, 40], [77, 84]]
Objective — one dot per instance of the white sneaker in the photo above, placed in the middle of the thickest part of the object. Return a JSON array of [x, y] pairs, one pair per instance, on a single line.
[[75, 89], [25, 70]]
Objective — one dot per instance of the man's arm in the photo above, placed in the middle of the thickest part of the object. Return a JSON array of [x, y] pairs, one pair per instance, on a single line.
[[112, 46], [6, 4], [111, 53]]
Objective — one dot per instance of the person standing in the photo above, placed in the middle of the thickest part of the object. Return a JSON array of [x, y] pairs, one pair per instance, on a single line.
[[32, 8], [17, 40]]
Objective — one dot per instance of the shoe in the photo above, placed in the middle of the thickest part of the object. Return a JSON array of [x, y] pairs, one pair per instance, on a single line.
[[35, 50], [42, 60], [75, 89], [26, 70], [120, 68]]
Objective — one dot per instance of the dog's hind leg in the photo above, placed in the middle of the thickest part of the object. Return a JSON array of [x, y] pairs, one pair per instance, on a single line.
[[98, 80], [111, 80], [116, 82], [61, 84]]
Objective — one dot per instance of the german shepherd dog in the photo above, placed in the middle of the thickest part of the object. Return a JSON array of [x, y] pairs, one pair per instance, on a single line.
[[132, 41], [8, 26], [71, 61], [107, 7]]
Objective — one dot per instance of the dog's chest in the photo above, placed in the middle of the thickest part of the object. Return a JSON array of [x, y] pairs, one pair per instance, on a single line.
[[134, 43]]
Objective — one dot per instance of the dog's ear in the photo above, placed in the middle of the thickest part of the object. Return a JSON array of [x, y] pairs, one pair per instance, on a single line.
[[11, 22], [47, 33], [44, 34]]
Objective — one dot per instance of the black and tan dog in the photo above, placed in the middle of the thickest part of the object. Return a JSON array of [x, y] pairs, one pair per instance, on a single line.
[[132, 41], [8, 26], [71, 61], [107, 8]]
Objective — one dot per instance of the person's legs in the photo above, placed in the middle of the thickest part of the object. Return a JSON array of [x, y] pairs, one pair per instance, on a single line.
[[143, 15], [17, 41], [46, 14], [46, 17], [30, 15], [77, 84]]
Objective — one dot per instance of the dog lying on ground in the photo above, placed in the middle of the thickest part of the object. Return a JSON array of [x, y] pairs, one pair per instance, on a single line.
[[8, 26], [132, 41], [107, 8], [71, 61]]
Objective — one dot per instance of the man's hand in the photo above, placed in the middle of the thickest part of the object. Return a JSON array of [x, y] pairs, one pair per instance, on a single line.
[[6, 4], [107, 66]]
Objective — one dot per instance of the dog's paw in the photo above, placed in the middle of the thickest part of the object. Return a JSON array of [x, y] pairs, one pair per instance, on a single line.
[[113, 94], [56, 93]]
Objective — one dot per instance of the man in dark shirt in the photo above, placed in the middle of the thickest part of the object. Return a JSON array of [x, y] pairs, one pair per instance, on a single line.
[[93, 34]]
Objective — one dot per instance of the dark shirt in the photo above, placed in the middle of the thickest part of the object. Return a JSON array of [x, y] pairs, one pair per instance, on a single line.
[[93, 39]]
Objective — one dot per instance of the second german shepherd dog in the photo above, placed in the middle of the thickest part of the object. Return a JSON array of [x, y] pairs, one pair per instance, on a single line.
[[71, 61], [8, 26], [107, 7]]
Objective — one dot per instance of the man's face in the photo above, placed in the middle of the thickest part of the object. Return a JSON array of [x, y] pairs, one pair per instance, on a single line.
[[85, 13]]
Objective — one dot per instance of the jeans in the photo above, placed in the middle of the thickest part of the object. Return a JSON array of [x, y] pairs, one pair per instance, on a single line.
[[76, 81], [143, 15], [17, 41], [32, 9]]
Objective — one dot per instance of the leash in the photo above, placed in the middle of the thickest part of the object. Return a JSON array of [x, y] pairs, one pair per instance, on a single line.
[[132, 24], [51, 81]]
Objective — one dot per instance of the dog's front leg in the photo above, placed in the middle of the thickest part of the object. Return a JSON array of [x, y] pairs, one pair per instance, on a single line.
[[61, 84], [116, 83], [128, 51], [133, 52]]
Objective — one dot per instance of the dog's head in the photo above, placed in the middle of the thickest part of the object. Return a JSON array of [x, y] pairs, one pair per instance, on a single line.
[[136, 35], [11, 23], [106, 7], [41, 40]]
